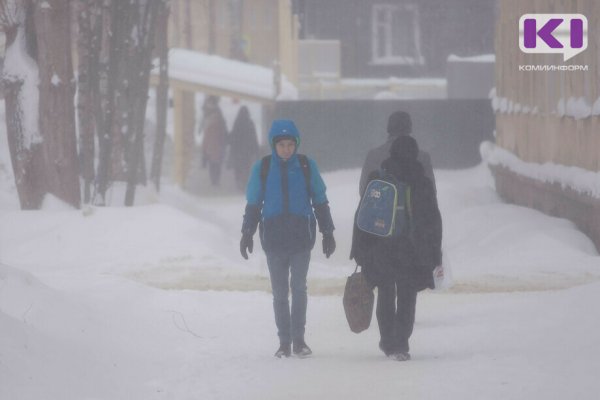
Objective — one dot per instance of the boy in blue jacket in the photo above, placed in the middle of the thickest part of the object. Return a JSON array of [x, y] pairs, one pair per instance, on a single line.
[[283, 190]]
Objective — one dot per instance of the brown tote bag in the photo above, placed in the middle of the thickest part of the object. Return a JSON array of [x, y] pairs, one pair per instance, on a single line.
[[358, 301]]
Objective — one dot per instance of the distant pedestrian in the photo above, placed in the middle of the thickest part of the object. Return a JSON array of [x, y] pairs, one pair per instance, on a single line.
[[402, 265], [399, 124], [285, 199], [243, 150], [214, 142]]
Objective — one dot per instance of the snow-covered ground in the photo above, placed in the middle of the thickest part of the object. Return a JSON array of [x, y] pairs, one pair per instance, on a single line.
[[155, 302]]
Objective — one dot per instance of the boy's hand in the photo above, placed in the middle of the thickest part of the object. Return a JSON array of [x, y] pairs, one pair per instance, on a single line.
[[328, 244], [246, 244]]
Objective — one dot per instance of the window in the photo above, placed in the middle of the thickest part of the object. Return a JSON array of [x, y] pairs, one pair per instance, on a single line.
[[396, 34]]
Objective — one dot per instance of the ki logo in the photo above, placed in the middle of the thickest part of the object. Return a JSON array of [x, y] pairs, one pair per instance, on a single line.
[[553, 33]]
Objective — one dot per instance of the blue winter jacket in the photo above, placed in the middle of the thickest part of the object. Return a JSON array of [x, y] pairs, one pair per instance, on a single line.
[[283, 209]]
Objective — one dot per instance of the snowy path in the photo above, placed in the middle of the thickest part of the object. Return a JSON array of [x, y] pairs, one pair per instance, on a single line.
[[219, 345], [84, 313]]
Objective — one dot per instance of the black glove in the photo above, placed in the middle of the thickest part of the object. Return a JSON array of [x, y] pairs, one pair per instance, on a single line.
[[247, 244], [323, 215], [251, 219], [328, 244]]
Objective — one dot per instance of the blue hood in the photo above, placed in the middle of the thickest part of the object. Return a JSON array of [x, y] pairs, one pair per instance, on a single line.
[[283, 127]]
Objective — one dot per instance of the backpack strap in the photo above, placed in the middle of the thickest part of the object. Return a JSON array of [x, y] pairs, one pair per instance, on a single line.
[[266, 164], [383, 173], [304, 164]]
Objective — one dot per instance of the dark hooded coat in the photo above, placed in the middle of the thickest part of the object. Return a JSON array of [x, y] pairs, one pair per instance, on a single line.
[[215, 133], [243, 146], [412, 259]]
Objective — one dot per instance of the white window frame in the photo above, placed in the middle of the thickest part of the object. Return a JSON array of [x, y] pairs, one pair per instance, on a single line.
[[386, 24]]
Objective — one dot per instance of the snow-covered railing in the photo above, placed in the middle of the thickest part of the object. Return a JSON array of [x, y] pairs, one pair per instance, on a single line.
[[578, 179], [576, 107]]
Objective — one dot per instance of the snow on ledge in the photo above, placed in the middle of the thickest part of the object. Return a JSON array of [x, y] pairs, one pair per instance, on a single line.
[[226, 74], [482, 58], [578, 179], [576, 107]]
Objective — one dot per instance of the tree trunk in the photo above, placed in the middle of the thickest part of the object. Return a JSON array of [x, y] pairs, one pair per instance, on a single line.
[[139, 76], [162, 93], [118, 18], [19, 86], [27, 161], [57, 113], [89, 46], [85, 108]]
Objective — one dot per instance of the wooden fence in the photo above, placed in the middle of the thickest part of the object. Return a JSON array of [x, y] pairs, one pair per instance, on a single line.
[[547, 135]]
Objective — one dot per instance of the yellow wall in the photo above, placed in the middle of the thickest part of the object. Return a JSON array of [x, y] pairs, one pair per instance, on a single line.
[[267, 27]]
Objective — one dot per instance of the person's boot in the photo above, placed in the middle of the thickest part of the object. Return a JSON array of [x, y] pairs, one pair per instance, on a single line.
[[285, 350], [400, 356], [301, 349], [386, 349]]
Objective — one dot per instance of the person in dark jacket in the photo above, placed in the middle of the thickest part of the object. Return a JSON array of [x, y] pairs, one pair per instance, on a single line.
[[243, 148], [401, 266], [281, 204], [399, 124], [214, 142]]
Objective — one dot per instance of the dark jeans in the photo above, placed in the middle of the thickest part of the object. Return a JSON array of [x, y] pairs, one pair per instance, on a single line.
[[396, 303], [290, 325]]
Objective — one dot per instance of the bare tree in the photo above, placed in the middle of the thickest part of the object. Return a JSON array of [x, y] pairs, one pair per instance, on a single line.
[[19, 84], [38, 84], [140, 51], [57, 90], [132, 25], [90, 17], [105, 137], [115, 47]]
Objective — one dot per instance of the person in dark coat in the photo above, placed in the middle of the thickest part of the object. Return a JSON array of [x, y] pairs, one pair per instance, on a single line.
[[399, 124], [215, 138], [243, 147], [401, 266]]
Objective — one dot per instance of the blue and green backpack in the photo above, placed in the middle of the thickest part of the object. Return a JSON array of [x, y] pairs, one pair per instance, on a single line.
[[385, 207]]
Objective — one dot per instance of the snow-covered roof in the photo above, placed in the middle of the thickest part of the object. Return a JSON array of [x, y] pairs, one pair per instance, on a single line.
[[217, 75]]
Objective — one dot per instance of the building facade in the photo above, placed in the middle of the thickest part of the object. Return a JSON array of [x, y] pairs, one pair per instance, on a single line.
[[261, 32], [548, 118], [402, 38]]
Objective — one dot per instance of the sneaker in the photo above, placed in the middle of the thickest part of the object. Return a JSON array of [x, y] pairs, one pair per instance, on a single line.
[[301, 349], [400, 356], [285, 350]]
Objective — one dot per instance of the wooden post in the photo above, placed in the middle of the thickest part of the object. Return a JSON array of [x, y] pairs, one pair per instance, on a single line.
[[178, 171]]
